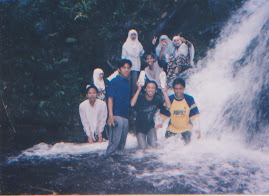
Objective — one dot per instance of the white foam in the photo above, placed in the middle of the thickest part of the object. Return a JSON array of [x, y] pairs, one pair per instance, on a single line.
[[215, 84]]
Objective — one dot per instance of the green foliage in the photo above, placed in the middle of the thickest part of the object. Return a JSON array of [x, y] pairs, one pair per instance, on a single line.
[[50, 48]]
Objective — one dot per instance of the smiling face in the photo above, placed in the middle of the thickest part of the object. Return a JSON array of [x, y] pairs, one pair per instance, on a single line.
[[92, 95], [150, 89], [179, 91], [177, 42], [124, 71], [150, 60]]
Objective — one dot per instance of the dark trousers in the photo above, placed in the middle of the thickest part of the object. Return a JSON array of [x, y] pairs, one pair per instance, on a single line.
[[185, 135], [147, 139], [132, 81], [117, 135]]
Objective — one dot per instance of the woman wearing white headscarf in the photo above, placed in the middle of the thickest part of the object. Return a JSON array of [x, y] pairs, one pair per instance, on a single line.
[[132, 49], [99, 82]]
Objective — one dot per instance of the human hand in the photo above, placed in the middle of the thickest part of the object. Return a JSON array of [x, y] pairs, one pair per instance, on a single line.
[[100, 137], [181, 38], [158, 126], [90, 139], [111, 121], [154, 40], [164, 89], [198, 132], [163, 44], [139, 87]]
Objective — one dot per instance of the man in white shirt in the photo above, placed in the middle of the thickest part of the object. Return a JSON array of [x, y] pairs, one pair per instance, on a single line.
[[93, 115]]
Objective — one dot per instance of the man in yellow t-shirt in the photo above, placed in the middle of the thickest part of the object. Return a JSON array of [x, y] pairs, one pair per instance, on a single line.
[[184, 113]]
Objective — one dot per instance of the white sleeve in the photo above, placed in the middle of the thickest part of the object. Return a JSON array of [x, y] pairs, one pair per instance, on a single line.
[[124, 53], [184, 49], [112, 76], [142, 52], [192, 51], [163, 81], [102, 117], [84, 121]]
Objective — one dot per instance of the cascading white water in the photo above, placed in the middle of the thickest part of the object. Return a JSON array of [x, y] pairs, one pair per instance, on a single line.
[[217, 87], [225, 90]]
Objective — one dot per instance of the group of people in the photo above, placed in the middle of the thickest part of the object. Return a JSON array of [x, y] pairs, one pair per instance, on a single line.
[[107, 109]]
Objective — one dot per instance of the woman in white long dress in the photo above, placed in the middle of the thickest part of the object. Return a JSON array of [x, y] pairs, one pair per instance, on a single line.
[[132, 49]]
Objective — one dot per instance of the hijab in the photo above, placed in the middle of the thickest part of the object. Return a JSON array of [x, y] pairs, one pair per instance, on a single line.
[[177, 38], [169, 48], [133, 47], [100, 84]]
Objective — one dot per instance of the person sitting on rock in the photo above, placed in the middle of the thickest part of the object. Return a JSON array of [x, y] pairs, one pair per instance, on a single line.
[[164, 50], [180, 60]]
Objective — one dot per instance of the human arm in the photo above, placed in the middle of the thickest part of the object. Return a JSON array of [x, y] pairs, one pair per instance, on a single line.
[[85, 123], [161, 53], [152, 48], [196, 126], [124, 53], [102, 119], [142, 52], [162, 119], [111, 119], [192, 51], [154, 40], [167, 103], [134, 98], [184, 49]]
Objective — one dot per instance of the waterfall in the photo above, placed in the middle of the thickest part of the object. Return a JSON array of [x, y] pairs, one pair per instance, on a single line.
[[230, 88], [231, 76]]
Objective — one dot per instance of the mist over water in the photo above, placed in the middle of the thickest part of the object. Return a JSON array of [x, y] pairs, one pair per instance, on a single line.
[[226, 88]]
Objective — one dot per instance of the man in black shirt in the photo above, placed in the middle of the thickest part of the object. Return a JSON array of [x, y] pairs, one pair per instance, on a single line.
[[146, 106]]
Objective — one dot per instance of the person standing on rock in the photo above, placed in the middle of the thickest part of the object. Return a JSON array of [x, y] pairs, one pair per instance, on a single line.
[[132, 49], [146, 106], [118, 107], [184, 113]]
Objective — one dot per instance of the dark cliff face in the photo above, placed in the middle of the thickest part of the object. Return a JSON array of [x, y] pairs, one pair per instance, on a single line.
[[50, 48]]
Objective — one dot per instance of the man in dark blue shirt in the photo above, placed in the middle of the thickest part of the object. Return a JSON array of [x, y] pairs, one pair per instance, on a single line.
[[118, 107]]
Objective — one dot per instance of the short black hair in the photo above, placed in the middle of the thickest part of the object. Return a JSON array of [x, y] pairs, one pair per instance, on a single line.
[[151, 81], [152, 55], [122, 63], [179, 81], [88, 87]]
